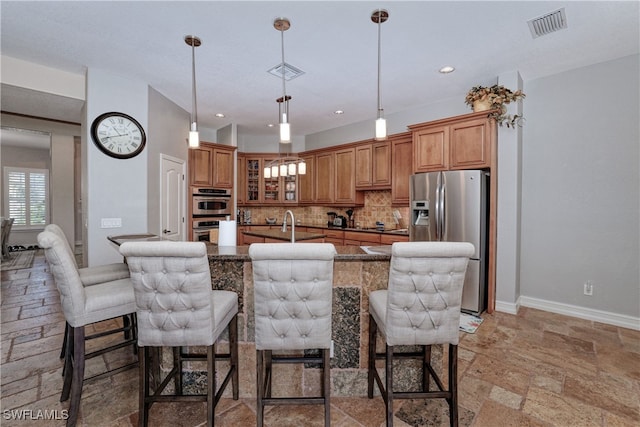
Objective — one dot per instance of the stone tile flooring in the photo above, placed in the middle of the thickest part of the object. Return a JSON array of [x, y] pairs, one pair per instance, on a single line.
[[533, 369]]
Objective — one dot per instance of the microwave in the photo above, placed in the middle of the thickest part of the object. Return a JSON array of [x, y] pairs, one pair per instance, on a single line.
[[211, 202]]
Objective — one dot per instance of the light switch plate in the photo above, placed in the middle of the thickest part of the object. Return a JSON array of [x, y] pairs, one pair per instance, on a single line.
[[110, 222]]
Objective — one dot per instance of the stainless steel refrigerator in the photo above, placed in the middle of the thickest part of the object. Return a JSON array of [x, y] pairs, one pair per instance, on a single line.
[[452, 206]]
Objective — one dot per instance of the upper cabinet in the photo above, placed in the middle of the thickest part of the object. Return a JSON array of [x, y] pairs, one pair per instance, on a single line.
[[401, 157], [241, 191], [345, 179], [211, 165], [306, 182], [261, 190], [325, 177], [373, 166], [462, 142]]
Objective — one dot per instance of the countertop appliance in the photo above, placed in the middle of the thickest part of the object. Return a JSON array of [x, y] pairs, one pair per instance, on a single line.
[[453, 206]]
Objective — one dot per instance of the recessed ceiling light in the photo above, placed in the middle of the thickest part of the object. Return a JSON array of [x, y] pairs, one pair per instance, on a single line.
[[219, 115], [447, 69], [338, 112], [270, 125]]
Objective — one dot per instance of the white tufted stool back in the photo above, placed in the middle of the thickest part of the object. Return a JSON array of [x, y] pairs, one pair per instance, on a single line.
[[172, 284], [176, 307], [420, 307], [83, 306], [293, 287], [293, 284]]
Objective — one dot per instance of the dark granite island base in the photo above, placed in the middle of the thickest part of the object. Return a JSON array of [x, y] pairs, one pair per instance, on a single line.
[[356, 273]]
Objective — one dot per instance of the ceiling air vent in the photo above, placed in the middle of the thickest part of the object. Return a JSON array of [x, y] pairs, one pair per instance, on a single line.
[[290, 72], [548, 23]]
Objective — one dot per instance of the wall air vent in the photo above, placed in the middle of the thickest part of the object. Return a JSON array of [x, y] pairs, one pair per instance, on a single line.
[[548, 23], [290, 72]]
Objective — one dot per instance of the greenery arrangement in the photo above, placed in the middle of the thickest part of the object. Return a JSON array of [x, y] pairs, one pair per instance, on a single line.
[[496, 97]]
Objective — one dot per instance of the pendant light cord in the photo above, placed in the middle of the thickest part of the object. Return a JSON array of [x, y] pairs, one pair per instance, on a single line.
[[379, 61], [284, 90], [194, 107]]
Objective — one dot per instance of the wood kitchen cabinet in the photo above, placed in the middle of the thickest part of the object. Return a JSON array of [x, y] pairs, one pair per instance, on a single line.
[[325, 177], [462, 142], [281, 190], [211, 165], [345, 190], [242, 179], [361, 238], [373, 166], [401, 158], [201, 165], [389, 239], [306, 188]]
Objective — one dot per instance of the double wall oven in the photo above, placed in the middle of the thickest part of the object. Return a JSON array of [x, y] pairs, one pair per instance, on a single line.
[[209, 206]]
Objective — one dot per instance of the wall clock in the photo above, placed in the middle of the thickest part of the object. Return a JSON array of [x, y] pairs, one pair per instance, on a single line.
[[118, 135]]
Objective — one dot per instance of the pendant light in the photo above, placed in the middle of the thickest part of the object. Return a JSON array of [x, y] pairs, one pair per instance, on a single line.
[[282, 25], [378, 17], [287, 165], [194, 136]]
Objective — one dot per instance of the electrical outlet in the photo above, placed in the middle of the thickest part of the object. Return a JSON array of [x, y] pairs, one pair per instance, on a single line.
[[588, 288], [331, 349], [110, 222]]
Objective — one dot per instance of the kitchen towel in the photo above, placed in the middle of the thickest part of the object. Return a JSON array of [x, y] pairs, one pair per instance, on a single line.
[[227, 235]]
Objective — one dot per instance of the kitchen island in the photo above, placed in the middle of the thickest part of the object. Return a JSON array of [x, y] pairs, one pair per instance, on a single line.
[[275, 235], [356, 274]]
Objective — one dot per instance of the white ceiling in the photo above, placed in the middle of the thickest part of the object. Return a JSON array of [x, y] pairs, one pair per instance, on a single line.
[[334, 42]]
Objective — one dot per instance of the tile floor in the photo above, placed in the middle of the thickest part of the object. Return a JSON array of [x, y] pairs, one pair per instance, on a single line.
[[533, 369]]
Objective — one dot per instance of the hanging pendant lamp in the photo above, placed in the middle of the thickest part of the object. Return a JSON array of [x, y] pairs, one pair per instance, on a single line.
[[194, 136], [282, 25], [378, 17]]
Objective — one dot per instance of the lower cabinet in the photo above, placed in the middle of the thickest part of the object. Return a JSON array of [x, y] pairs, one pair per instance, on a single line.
[[358, 238]]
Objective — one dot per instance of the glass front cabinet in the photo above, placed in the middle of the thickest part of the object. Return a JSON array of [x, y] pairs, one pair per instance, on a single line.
[[268, 191]]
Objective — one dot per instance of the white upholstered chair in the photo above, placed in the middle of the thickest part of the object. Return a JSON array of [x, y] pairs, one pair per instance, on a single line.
[[92, 276], [293, 286], [176, 307], [421, 307], [83, 306]]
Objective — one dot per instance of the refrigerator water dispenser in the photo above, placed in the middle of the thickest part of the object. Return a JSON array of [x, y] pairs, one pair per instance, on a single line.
[[420, 213]]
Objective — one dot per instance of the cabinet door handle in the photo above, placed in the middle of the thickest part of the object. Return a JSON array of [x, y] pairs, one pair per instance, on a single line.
[[165, 231]]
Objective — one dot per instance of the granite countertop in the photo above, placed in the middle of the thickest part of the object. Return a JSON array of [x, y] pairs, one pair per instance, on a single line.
[[401, 231], [345, 253], [274, 233]]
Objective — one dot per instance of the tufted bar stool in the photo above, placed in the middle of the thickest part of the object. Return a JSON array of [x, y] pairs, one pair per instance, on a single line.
[[420, 307], [176, 307], [83, 306], [293, 287], [92, 276]]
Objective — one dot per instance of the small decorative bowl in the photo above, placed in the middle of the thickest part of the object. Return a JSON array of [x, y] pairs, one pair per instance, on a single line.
[[270, 221]]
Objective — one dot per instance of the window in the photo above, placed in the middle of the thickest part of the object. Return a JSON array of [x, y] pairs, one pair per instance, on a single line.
[[27, 196]]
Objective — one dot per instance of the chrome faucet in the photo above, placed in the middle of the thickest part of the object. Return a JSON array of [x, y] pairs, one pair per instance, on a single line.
[[293, 225]]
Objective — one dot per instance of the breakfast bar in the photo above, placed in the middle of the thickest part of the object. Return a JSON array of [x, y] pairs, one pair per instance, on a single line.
[[356, 273]]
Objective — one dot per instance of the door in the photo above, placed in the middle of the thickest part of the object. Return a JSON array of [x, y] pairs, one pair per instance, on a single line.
[[172, 198], [463, 208]]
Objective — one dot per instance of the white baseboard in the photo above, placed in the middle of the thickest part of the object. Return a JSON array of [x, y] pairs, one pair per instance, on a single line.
[[606, 317], [507, 307]]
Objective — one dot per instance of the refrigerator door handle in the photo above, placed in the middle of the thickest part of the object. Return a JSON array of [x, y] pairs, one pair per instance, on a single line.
[[443, 208], [438, 207]]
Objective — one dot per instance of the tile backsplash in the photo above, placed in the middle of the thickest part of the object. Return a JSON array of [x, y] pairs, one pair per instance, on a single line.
[[377, 207]]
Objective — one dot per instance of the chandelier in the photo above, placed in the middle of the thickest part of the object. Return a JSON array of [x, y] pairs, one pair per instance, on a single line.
[[285, 166]]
